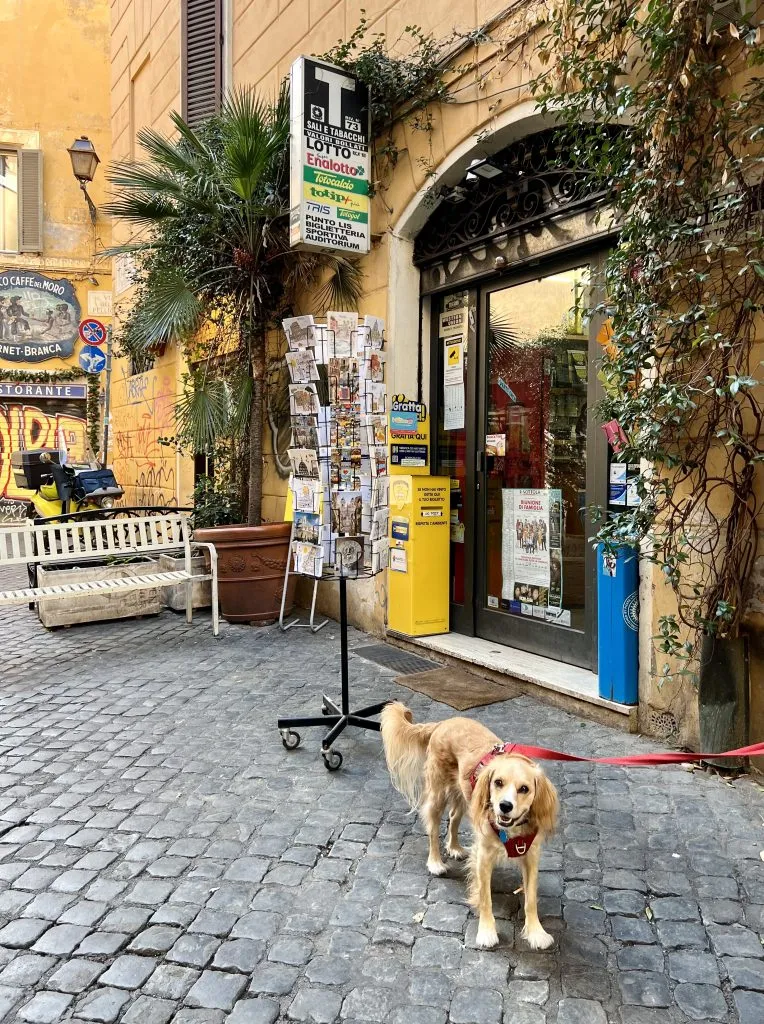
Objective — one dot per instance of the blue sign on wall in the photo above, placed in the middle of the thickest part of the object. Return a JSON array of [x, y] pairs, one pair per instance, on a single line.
[[92, 359]]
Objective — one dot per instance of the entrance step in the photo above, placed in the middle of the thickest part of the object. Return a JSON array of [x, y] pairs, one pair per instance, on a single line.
[[566, 686]]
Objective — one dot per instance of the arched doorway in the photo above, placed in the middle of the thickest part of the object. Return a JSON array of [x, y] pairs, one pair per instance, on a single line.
[[510, 259]]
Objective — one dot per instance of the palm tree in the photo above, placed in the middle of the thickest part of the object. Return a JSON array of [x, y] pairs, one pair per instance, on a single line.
[[210, 206]]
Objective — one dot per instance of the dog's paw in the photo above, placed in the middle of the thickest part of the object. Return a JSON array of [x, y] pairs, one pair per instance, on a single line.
[[456, 852], [537, 938], [436, 867], [486, 938]]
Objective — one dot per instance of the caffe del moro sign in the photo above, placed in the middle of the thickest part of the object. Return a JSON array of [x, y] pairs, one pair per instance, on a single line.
[[329, 158]]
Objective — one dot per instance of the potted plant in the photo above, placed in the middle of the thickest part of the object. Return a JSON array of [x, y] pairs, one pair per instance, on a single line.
[[215, 273]]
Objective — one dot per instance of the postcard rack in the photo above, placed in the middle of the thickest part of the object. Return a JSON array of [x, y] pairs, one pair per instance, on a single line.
[[295, 623], [339, 484]]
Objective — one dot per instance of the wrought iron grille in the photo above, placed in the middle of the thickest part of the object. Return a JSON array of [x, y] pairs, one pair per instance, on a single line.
[[535, 184]]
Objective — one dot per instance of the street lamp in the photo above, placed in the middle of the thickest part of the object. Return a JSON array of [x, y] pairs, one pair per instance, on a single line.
[[84, 163]]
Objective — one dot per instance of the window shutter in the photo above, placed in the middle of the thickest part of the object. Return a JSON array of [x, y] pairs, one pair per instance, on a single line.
[[202, 53], [30, 200]]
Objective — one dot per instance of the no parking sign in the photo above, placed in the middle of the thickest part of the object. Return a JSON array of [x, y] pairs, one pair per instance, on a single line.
[[92, 332]]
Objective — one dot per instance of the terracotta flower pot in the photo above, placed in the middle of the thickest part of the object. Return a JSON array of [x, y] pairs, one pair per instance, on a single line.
[[251, 565]]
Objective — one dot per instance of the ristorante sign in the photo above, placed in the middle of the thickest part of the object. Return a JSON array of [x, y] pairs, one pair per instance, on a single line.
[[39, 317], [329, 182]]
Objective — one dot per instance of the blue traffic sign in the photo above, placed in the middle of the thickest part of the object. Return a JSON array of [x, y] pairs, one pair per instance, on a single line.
[[92, 359], [92, 332]]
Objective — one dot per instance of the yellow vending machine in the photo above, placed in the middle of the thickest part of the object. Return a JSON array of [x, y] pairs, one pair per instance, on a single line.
[[417, 602]]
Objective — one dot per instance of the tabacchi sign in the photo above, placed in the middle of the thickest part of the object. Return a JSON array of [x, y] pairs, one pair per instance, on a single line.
[[329, 158]]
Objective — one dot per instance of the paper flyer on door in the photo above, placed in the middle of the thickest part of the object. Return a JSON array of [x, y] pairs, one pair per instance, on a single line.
[[531, 547]]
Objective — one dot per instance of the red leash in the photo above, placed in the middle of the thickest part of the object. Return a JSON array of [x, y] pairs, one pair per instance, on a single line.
[[635, 760]]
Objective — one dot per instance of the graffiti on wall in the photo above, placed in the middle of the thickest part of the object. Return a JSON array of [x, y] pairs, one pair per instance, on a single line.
[[143, 413], [30, 426]]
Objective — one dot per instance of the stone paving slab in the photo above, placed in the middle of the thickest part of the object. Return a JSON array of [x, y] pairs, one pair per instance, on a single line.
[[164, 860]]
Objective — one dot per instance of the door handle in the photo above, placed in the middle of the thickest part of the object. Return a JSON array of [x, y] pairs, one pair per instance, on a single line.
[[480, 462]]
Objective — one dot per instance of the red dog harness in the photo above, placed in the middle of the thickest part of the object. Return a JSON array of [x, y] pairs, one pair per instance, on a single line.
[[516, 846]]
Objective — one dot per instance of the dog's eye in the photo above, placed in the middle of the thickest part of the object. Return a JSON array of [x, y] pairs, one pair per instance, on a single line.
[[498, 782], [523, 789]]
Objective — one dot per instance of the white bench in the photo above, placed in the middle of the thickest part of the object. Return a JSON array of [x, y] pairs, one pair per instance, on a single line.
[[84, 542]]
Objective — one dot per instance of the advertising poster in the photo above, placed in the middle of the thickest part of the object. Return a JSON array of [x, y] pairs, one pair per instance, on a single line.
[[39, 317], [532, 547], [409, 428]]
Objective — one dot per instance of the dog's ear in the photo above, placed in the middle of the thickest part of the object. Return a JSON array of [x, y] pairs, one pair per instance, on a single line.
[[545, 805], [480, 796]]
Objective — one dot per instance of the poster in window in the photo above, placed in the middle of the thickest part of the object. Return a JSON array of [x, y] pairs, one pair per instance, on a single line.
[[531, 548]]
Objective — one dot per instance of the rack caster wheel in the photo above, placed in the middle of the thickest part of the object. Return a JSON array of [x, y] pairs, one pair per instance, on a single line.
[[325, 710], [332, 760], [290, 739]]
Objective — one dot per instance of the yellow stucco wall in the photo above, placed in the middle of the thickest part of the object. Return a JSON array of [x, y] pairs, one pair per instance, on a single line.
[[142, 412], [145, 88], [493, 106], [54, 87]]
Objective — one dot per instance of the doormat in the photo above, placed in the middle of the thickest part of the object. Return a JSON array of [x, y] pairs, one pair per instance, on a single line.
[[459, 689], [395, 658]]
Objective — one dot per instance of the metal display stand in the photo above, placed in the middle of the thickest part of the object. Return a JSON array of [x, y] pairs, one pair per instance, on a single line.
[[295, 623], [349, 432], [336, 718]]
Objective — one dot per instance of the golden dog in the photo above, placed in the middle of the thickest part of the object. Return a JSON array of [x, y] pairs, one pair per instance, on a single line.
[[511, 804]]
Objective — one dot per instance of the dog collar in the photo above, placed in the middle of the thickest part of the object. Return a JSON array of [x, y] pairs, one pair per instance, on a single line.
[[499, 748], [516, 846]]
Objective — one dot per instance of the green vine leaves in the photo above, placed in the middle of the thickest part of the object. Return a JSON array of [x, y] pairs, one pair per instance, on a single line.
[[684, 284]]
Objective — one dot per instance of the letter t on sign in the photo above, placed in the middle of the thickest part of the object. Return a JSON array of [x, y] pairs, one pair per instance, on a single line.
[[336, 83]]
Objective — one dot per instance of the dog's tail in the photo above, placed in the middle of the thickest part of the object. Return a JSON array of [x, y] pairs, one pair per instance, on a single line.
[[405, 750]]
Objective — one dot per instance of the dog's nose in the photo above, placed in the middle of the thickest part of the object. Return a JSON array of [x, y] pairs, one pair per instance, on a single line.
[[506, 807]]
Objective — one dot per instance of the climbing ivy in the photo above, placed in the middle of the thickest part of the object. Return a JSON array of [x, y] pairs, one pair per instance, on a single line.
[[403, 85], [684, 283]]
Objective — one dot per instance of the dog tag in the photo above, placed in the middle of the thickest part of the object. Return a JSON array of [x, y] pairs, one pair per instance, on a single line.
[[502, 835]]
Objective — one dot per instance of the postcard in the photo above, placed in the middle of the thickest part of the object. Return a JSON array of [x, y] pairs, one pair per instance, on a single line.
[[303, 399], [347, 508], [305, 495], [308, 558], [341, 328], [307, 527], [372, 367], [300, 331], [376, 429], [378, 524], [378, 459], [374, 332], [372, 397], [348, 555], [304, 462], [302, 366], [380, 491], [380, 555], [304, 432]]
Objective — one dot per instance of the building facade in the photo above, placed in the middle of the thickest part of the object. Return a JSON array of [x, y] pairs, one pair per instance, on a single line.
[[51, 277], [505, 260]]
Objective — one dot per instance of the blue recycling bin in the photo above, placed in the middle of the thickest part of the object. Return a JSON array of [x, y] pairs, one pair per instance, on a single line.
[[618, 622]]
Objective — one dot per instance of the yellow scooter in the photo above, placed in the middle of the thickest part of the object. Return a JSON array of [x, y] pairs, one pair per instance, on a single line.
[[60, 490]]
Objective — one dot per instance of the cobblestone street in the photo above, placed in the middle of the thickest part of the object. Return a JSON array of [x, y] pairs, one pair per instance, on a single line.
[[163, 858]]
